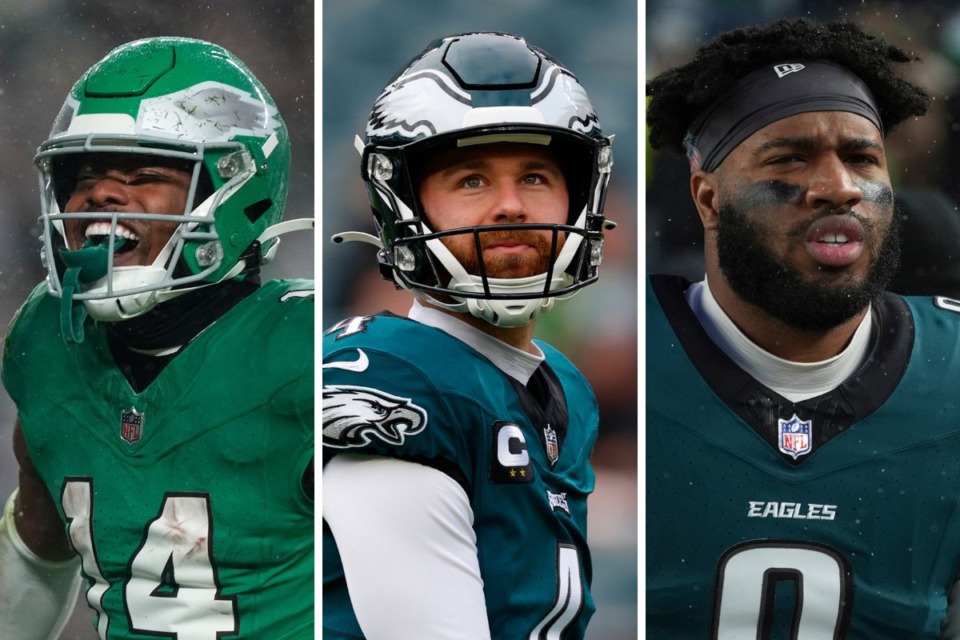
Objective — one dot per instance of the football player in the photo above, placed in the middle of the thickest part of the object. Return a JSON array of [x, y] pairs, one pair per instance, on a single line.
[[802, 441], [164, 394], [456, 447]]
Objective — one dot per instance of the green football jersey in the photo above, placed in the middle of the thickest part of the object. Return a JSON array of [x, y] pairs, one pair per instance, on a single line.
[[402, 389], [831, 517], [185, 500]]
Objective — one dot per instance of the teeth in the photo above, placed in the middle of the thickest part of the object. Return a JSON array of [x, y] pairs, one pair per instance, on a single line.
[[834, 238], [103, 229]]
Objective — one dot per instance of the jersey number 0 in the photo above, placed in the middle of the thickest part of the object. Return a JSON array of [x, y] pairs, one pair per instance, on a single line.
[[747, 579]]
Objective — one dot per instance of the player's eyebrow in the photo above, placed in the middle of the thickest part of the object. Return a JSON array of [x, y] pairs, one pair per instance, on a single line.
[[470, 164], [806, 143]]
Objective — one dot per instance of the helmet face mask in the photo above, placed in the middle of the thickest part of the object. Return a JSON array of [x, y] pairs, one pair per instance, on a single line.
[[471, 90], [168, 100]]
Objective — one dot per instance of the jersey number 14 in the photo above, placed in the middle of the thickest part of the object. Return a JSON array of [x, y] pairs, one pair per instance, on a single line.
[[172, 588]]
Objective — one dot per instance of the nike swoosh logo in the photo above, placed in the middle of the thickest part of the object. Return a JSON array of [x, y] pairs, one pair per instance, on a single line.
[[358, 365]]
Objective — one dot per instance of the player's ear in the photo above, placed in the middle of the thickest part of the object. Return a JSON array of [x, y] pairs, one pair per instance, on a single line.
[[703, 188]]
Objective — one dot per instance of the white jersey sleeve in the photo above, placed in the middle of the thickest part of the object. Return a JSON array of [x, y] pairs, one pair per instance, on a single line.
[[405, 535]]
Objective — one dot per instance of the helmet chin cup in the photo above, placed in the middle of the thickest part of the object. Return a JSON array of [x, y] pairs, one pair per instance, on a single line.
[[107, 308], [508, 314], [87, 283], [498, 310]]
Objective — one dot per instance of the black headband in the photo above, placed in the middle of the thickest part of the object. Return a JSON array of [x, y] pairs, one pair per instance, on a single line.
[[770, 94]]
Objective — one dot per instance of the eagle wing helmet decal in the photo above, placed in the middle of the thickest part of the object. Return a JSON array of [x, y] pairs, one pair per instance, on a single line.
[[427, 102], [352, 416], [418, 94]]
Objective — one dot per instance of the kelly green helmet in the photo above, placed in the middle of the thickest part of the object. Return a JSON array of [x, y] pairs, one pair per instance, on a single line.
[[175, 98]]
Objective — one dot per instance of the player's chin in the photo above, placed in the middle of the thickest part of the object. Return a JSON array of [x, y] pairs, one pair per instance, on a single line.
[[838, 279], [515, 266]]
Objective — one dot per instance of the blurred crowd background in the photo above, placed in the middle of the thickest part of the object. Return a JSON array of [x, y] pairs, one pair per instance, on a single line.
[[922, 153], [365, 43], [45, 45]]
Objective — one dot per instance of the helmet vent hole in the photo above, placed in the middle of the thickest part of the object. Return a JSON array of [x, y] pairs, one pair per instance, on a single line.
[[256, 210]]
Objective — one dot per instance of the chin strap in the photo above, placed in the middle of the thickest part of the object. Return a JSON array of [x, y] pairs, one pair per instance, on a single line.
[[357, 236], [298, 224], [84, 266]]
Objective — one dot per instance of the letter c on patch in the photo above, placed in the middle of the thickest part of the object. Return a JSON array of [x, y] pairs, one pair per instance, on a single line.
[[511, 447]]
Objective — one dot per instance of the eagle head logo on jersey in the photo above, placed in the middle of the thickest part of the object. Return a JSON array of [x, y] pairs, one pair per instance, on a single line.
[[353, 416]]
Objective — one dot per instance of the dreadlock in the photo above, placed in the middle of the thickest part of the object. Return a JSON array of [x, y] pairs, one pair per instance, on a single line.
[[679, 95]]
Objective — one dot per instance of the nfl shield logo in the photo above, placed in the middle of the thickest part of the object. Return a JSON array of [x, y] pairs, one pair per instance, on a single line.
[[131, 425], [795, 436], [553, 447]]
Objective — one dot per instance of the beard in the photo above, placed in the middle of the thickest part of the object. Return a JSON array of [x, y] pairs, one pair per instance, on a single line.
[[531, 262], [781, 291]]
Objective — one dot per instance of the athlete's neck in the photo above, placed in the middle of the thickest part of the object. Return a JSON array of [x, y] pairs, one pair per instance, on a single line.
[[143, 346], [178, 321], [517, 337], [775, 336]]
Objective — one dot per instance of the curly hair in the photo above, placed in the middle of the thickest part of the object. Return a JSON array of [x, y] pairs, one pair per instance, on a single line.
[[679, 95]]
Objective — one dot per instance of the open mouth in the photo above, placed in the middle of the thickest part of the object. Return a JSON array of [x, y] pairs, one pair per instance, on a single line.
[[98, 234], [835, 241]]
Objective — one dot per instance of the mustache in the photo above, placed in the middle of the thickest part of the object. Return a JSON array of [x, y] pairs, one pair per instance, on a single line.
[[799, 230], [505, 266], [536, 239]]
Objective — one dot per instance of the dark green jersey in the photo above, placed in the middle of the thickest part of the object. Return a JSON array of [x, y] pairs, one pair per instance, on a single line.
[[832, 517], [184, 500], [402, 389]]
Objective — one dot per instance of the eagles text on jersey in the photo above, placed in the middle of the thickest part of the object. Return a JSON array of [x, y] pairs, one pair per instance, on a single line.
[[832, 517]]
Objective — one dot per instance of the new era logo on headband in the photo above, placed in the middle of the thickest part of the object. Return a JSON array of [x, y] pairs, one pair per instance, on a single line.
[[785, 69], [760, 98]]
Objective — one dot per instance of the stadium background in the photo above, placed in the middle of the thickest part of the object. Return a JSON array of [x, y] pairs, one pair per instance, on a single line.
[[364, 44], [45, 45]]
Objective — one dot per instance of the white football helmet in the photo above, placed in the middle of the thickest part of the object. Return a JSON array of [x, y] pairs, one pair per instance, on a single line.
[[470, 89]]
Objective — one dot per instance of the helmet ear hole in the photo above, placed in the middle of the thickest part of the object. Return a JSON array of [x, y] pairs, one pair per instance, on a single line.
[[256, 210]]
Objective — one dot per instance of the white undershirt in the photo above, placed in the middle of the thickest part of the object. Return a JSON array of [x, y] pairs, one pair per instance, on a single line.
[[793, 380], [405, 530], [516, 363]]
